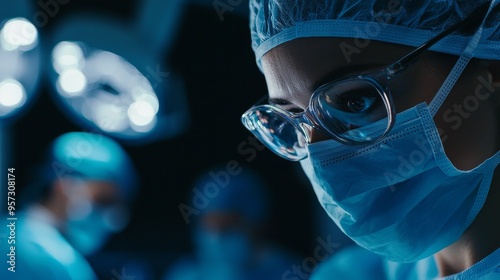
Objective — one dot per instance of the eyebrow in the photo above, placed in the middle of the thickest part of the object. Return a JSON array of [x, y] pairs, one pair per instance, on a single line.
[[336, 74], [278, 101], [347, 70]]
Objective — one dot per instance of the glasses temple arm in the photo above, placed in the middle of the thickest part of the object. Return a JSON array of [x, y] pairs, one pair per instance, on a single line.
[[406, 60]]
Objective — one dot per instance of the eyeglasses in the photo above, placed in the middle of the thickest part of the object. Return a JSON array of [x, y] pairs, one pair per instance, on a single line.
[[340, 109]]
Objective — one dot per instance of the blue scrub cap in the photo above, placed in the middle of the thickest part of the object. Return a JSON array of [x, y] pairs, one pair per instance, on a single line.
[[245, 194], [411, 23], [91, 157]]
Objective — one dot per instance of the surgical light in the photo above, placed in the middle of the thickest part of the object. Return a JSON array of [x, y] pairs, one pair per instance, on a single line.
[[72, 83], [12, 94], [66, 56], [145, 128], [105, 89], [109, 117], [18, 33], [19, 64], [110, 77], [141, 113]]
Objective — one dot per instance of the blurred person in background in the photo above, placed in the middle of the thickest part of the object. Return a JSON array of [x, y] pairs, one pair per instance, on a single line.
[[77, 201], [228, 234]]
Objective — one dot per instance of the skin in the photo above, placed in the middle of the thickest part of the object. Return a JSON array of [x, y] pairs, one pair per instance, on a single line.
[[295, 69], [98, 192], [222, 221]]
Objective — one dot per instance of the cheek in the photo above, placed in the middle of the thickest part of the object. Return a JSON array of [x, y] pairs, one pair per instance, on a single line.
[[468, 121], [469, 124], [415, 86]]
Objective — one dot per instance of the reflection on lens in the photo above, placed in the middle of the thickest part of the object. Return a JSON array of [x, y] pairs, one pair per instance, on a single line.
[[348, 107], [276, 132]]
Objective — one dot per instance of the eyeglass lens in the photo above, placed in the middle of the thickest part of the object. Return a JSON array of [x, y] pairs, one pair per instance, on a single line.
[[278, 133], [344, 107]]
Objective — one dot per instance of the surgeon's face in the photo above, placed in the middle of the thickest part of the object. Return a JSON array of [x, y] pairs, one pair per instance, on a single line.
[[94, 212], [82, 196], [468, 124]]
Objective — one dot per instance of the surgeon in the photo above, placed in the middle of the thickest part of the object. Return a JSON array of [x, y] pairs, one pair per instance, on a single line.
[[228, 234], [394, 110], [77, 202]]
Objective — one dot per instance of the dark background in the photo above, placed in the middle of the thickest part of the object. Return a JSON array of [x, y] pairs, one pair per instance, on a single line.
[[217, 64]]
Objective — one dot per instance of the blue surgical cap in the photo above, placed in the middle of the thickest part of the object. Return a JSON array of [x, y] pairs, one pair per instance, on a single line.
[[411, 23], [243, 193], [90, 156]]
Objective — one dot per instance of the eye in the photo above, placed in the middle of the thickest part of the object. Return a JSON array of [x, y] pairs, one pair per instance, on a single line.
[[360, 100], [295, 110], [286, 105], [291, 108]]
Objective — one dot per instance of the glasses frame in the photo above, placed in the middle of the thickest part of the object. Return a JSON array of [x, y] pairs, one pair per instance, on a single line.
[[310, 119]]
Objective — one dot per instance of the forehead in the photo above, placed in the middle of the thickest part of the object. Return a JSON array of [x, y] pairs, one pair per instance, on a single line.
[[294, 69]]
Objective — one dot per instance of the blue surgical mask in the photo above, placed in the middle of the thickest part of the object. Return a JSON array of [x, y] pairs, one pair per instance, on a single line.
[[401, 197], [88, 234]]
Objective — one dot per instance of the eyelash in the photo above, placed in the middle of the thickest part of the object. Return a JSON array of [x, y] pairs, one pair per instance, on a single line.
[[295, 110]]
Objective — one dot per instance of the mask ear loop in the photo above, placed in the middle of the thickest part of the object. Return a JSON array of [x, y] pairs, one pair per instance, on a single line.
[[459, 67], [443, 92]]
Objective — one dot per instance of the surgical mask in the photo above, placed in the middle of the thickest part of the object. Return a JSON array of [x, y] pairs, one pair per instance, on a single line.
[[402, 197], [89, 226], [231, 250]]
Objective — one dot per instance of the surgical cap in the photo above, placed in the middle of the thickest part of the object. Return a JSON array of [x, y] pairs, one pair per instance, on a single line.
[[243, 193], [91, 157], [411, 23]]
